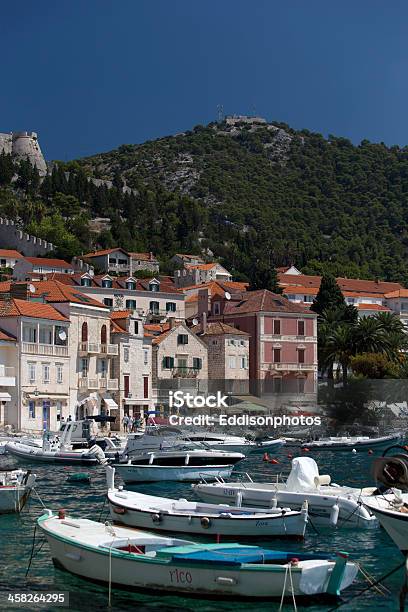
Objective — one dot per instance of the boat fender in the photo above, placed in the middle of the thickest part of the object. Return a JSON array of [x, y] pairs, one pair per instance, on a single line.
[[205, 522], [61, 514], [119, 510], [334, 515], [294, 561], [157, 518]]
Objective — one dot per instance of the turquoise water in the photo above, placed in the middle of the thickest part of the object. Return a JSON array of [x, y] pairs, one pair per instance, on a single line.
[[371, 548]]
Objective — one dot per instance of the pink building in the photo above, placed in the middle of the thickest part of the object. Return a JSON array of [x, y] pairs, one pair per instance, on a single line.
[[283, 339]]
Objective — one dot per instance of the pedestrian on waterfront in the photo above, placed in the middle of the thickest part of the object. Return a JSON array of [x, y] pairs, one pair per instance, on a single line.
[[70, 418], [130, 424], [125, 422]]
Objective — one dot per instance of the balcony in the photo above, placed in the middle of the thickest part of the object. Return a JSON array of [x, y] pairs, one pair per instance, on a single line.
[[99, 383], [109, 349], [7, 376], [89, 347], [291, 367], [184, 372], [34, 348]]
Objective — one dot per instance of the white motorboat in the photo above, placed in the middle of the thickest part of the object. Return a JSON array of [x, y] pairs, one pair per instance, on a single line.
[[329, 504], [347, 443], [239, 444], [140, 560], [179, 515], [391, 509], [15, 489], [57, 449], [4, 440], [191, 464]]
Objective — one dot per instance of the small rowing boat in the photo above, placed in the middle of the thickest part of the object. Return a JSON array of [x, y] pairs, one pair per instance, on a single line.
[[139, 560], [15, 489]]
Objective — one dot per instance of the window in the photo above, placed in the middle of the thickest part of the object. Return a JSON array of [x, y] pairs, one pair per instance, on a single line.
[[301, 328], [58, 405], [123, 262], [168, 363], [136, 327], [131, 304], [103, 334], [301, 355], [145, 357], [242, 342], [31, 372], [29, 333], [350, 300], [216, 308], [3, 262], [46, 372], [102, 368], [131, 285], [232, 342], [182, 339], [308, 299], [232, 363], [154, 287], [145, 386], [244, 362], [154, 307], [126, 354], [31, 409], [59, 369], [106, 282], [276, 355], [276, 327], [85, 282], [84, 367], [197, 363], [126, 384], [170, 306], [301, 385], [84, 332], [108, 302], [45, 335]]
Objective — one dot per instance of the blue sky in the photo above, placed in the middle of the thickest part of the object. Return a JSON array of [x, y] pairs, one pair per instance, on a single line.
[[89, 75]]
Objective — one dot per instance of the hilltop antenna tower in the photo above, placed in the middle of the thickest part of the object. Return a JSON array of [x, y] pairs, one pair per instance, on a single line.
[[220, 113]]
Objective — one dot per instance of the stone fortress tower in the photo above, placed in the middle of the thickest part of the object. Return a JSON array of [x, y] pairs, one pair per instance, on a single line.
[[24, 145]]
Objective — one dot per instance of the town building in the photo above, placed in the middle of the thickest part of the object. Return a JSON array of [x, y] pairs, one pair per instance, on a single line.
[[179, 360], [156, 299], [197, 274], [36, 268], [214, 288], [282, 344], [132, 365], [35, 363], [118, 261], [9, 258], [179, 260]]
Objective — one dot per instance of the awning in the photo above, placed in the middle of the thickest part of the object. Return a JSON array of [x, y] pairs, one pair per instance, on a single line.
[[5, 397], [134, 402], [110, 402]]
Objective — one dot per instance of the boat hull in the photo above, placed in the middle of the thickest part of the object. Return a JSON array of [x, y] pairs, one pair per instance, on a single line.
[[154, 473], [31, 453], [103, 563], [13, 498], [363, 445], [394, 523]]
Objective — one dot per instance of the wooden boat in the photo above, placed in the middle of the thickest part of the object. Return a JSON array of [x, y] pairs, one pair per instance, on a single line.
[[391, 510], [329, 504], [133, 559], [192, 464], [15, 489], [179, 515], [348, 443]]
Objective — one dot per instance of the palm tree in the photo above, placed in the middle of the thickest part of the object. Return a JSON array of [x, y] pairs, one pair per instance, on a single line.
[[390, 322], [370, 337], [340, 347]]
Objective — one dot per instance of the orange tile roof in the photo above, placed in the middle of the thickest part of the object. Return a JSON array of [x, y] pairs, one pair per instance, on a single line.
[[396, 294], [263, 300], [205, 266], [10, 253], [105, 252], [158, 339], [345, 284], [23, 308], [5, 286], [217, 286], [143, 256], [120, 314], [218, 328], [55, 291], [300, 290], [45, 261], [157, 327], [372, 307]]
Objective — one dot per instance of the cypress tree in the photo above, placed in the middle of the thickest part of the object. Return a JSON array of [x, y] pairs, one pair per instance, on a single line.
[[329, 296]]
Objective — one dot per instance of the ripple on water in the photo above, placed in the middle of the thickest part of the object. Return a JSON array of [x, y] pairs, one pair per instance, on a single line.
[[372, 548]]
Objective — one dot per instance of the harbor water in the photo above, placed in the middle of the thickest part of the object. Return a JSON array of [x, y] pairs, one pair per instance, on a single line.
[[373, 549]]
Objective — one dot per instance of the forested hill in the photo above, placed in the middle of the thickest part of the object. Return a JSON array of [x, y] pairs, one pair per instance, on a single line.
[[282, 196], [251, 195]]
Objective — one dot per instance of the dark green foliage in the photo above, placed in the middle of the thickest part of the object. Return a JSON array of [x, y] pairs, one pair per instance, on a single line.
[[329, 296], [6, 169]]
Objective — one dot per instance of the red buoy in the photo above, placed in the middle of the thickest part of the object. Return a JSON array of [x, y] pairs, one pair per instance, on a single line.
[[290, 456], [306, 449], [274, 461], [265, 457], [61, 514]]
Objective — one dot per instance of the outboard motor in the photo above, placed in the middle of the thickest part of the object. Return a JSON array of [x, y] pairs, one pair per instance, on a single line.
[[392, 471]]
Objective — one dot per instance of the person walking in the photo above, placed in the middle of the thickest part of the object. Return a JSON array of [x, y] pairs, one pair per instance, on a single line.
[[125, 423], [130, 424]]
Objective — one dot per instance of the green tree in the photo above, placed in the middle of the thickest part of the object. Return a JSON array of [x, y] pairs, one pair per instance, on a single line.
[[373, 365], [329, 296], [6, 169]]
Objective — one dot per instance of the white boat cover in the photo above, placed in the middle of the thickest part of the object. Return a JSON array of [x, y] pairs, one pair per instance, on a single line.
[[302, 475]]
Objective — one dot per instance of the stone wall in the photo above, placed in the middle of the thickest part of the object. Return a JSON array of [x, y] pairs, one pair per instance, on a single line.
[[11, 237], [24, 145]]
